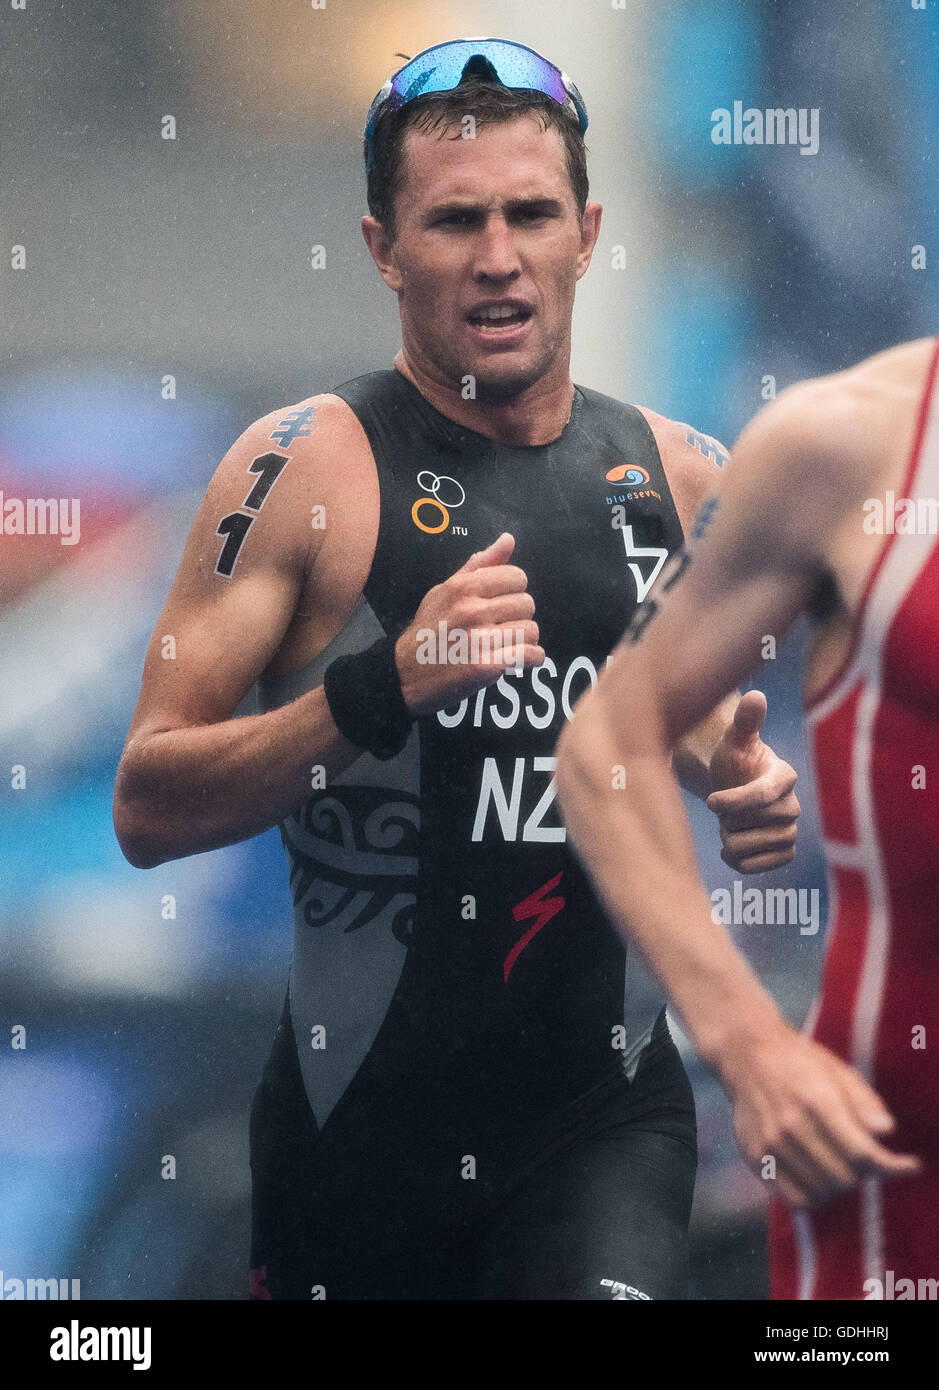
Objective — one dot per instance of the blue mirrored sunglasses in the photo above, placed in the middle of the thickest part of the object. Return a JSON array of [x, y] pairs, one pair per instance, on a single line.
[[441, 68]]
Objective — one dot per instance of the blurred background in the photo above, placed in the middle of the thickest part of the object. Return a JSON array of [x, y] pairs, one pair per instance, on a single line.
[[163, 299]]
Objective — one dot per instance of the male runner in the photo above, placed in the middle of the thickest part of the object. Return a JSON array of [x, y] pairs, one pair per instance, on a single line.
[[459, 1102], [830, 508]]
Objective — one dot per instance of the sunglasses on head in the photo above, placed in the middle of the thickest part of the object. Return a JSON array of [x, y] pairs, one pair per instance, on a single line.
[[444, 67]]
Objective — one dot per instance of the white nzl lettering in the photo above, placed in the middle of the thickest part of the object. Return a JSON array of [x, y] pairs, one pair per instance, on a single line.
[[508, 808]]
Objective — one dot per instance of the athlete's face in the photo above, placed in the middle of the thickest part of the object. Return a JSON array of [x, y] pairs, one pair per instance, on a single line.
[[488, 226]]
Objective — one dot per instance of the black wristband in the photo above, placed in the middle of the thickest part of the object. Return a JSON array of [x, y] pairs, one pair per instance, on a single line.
[[363, 691]]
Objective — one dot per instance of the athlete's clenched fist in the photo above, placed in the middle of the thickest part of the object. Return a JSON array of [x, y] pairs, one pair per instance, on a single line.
[[468, 631]]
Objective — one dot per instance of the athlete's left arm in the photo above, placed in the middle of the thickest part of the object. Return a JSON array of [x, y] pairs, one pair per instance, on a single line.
[[724, 750]]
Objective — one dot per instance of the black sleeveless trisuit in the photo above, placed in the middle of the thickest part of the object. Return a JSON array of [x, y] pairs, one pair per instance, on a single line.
[[473, 1092]]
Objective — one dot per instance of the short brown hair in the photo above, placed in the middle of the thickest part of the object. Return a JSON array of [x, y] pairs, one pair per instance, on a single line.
[[488, 103]]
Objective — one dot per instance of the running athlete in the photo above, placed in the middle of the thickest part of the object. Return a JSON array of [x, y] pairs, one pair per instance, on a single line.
[[469, 1096], [830, 509]]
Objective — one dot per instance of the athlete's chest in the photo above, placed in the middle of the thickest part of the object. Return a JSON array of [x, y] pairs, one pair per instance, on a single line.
[[592, 526]]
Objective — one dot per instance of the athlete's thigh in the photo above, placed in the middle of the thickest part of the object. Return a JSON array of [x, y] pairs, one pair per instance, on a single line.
[[349, 1212], [353, 1224], [606, 1219]]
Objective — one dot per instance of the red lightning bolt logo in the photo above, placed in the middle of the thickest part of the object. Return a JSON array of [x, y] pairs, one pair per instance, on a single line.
[[542, 909]]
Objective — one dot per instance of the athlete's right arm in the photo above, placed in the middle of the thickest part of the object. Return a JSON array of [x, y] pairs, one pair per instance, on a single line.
[[192, 778]]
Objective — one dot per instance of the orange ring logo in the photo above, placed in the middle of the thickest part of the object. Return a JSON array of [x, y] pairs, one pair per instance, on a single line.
[[430, 502]]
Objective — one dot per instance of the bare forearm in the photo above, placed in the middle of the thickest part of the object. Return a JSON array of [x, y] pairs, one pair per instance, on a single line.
[[184, 791], [653, 894]]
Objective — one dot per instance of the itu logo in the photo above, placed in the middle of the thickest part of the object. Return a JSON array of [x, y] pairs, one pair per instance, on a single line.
[[630, 474], [445, 492]]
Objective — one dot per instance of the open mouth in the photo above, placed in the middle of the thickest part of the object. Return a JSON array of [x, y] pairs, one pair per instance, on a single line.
[[499, 318]]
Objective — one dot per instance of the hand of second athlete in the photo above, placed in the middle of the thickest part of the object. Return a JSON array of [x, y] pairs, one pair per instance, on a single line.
[[804, 1120]]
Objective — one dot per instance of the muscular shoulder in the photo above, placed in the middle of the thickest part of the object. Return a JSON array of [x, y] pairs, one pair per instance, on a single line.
[[288, 471], [805, 465], [312, 429], [823, 443], [692, 462]]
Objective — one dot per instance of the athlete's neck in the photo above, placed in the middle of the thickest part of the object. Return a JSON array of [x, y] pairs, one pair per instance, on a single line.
[[535, 416]]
